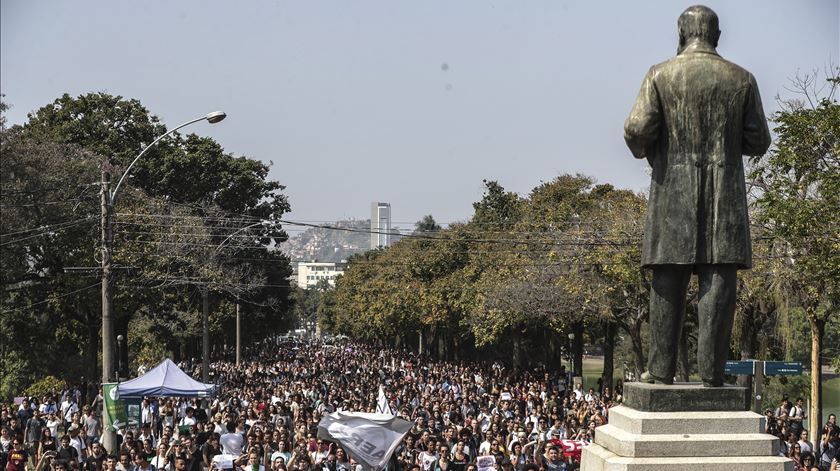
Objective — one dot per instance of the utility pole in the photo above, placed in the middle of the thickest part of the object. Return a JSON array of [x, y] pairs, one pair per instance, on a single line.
[[205, 336], [109, 435], [238, 335]]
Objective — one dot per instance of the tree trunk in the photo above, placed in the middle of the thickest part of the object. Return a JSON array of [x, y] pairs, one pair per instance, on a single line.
[[609, 354], [420, 342], [634, 330], [747, 343], [546, 348], [516, 337], [815, 414], [577, 348]]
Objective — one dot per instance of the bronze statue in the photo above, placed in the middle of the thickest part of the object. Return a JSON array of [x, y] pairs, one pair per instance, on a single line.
[[695, 117]]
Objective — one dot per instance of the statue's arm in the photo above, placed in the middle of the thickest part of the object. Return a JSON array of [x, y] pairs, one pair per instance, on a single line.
[[756, 138], [641, 129]]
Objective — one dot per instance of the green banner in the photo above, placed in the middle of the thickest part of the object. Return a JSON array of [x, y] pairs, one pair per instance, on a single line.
[[119, 412], [114, 414]]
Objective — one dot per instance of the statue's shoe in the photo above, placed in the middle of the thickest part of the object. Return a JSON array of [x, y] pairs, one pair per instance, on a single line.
[[647, 377]]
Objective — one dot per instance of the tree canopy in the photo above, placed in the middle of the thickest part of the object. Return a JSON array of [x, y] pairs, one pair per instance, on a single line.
[[189, 215]]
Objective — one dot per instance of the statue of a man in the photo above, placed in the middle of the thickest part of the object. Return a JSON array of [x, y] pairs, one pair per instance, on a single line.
[[695, 117]]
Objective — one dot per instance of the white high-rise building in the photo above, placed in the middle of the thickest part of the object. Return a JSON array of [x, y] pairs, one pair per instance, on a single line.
[[380, 225]]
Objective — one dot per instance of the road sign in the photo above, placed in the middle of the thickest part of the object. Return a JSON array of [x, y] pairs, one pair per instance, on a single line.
[[782, 368], [741, 367]]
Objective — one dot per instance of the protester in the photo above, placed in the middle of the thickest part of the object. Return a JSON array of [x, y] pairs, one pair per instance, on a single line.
[[266, 411]]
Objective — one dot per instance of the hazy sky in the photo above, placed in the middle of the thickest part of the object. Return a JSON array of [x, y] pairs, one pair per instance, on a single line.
[[409, 102]]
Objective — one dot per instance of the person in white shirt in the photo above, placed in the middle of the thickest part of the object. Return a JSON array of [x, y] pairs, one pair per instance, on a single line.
[[68, 408], [797, 415], [804, 445], [189, 418], [578, 391], [76, 441], [146, 434], [146, 412], [232, 442], [161, 461]]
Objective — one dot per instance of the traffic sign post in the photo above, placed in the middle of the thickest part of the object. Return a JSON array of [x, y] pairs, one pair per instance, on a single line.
[[783, 368], [741, 367], [758, 387], [759, 369]]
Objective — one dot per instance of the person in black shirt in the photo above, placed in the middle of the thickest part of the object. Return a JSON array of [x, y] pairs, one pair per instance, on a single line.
[[66, 453], [95, 458], [211, 449], [192, 454], [25, 413]]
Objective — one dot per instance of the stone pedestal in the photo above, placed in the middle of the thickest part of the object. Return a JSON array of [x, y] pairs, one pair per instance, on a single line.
[[683, 427]]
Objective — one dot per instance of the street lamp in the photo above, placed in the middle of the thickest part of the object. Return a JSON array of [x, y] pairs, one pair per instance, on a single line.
[[205, 334], [119, 357], [108, 200], [571, 358]]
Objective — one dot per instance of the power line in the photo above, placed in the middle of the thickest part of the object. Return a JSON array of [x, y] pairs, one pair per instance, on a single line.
[[45, 230], [54, 297]]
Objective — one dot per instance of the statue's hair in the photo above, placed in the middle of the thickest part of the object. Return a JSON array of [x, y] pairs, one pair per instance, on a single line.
[[699, 21]]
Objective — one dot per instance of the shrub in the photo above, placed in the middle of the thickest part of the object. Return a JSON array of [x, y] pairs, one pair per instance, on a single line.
[[45, 385]]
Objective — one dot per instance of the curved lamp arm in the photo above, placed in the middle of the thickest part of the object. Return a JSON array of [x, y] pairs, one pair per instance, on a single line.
[[213, 118], [263, 222]]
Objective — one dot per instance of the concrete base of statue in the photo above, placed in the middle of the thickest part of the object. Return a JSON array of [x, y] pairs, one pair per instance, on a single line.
[[683, 427]]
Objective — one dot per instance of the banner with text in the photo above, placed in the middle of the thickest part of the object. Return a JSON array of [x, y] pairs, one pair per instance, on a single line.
[[369, 438]]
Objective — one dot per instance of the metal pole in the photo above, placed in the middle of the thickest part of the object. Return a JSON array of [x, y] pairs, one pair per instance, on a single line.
[[571, 366], [238, 335], [109, 439], [205, 336], [758, 384], [119, 358]]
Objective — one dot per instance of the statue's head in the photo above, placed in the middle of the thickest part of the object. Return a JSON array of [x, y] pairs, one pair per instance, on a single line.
[[700, 23]]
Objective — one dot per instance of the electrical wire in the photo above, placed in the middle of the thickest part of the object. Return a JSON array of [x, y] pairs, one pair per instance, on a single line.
[[59, 296], [45, 230]]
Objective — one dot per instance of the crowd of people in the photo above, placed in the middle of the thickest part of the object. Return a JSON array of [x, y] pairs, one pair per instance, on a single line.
[[265, 415], [787, 421]]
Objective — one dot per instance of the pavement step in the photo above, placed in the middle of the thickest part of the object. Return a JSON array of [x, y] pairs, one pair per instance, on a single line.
[[596, 458], [665, 423], [683, 445]]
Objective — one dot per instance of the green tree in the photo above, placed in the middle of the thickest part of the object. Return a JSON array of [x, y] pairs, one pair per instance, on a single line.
[[800, 204], [190, 214], [48, 223], [426, 224]]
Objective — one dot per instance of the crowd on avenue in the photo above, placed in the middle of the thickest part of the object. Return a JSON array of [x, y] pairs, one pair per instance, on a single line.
[[264, 417]]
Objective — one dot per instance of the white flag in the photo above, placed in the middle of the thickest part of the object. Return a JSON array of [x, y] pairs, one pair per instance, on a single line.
[[369, 438], [382, 406]]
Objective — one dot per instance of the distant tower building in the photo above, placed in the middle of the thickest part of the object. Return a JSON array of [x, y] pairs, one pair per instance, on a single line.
[[380, 225]]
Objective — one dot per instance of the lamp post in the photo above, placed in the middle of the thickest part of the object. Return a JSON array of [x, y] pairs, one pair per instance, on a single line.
[[119, 357], [571, 358], [205, 365], [108, 200]]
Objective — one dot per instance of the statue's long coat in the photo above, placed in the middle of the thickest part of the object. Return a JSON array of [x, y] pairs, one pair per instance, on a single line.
[[695, 117]]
